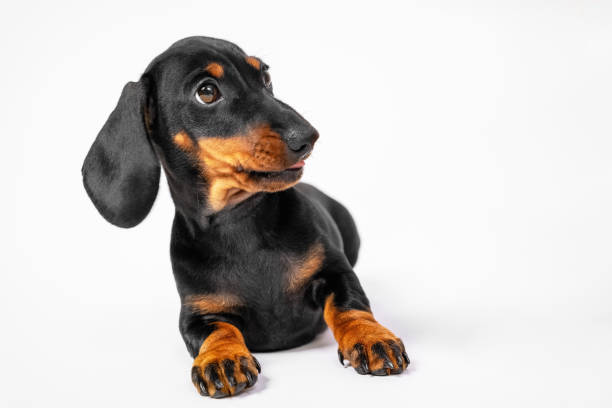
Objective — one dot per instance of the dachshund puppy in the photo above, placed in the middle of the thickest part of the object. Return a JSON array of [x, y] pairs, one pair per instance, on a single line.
[[261, 261]]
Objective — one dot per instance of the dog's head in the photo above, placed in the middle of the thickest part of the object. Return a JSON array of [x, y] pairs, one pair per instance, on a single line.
[[206, 111]]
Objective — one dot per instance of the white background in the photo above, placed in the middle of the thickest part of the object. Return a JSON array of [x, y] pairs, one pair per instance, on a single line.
[[471, 141]]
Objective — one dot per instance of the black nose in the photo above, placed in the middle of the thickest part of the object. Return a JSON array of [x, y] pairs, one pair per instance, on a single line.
[[301, 142]]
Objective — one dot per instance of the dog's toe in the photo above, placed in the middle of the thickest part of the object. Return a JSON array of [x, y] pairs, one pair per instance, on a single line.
[[223, 377], [382, 356]]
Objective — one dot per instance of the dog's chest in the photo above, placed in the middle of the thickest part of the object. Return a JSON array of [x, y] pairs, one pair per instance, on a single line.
[[274, 287], [270, 290], [270, 276]]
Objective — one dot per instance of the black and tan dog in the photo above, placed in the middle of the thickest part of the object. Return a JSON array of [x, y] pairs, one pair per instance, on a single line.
[[261, 262]]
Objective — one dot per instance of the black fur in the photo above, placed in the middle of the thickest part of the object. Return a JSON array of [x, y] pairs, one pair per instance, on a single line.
[[121, 172], [245, 249]]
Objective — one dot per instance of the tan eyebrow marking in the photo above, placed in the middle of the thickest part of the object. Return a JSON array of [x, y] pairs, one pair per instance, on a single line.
[[254, 62], [215, 69], [213, 302]]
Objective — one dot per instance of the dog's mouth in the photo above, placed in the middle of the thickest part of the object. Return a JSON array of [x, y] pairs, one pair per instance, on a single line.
[[289, 174], [297, 166]]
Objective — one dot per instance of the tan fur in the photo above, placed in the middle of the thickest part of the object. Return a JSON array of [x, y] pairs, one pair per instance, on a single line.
[[357, 326], [183, 141], [213, 302], [215, 69], [254, 62], [305, 268], [224, 343], [225, 161]]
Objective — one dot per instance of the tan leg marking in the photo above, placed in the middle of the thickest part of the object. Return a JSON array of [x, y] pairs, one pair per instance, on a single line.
[[224, 365], [363, 341]]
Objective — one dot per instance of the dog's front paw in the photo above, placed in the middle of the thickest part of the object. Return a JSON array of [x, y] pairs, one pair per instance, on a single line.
[[223, 374], [372, 349]]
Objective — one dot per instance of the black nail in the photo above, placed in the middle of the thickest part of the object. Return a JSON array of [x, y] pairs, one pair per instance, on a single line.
[[212, 373], [244, 367], [195, 374], [228, 369], [249, 376], [362, 359], [197, 381], [381, 372], [203, 390], [220, 394], [379, 350], [257, 365], [240, 387], [406, 358], [397, 353]]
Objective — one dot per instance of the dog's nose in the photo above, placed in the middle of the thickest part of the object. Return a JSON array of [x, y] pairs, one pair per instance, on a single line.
[[301, 142]]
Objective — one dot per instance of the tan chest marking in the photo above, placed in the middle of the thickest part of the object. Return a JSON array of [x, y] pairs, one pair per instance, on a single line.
[[304, 268], [213, 303]]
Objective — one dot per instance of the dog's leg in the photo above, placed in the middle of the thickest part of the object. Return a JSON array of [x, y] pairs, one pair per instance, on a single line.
[[223, 365], [366, 344]]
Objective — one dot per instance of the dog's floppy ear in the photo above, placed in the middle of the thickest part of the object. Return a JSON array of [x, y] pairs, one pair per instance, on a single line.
[[121, 171]]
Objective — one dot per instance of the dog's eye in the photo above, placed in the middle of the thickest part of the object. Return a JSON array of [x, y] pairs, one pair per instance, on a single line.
[[267, 79], [208, 93]]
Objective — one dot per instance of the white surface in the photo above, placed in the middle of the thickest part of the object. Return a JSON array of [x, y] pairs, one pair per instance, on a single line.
[[471, 141]]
